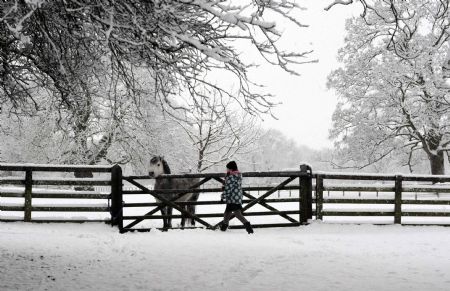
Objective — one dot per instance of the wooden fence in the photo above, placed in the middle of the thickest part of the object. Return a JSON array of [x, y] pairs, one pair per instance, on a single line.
[[402, 197], [29, 192]]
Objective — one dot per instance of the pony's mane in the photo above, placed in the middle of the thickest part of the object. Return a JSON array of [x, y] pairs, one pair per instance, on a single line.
[[165, 166]]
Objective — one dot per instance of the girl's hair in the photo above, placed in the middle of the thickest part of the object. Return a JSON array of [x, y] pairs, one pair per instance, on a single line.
[[232, 166]]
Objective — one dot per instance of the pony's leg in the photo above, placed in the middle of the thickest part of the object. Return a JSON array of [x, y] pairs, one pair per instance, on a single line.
[[191, 208], [183, 217], [164, 212], [169, 219]]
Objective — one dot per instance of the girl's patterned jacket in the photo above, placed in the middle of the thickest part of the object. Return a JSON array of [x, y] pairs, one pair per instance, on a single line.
[[232, 193]]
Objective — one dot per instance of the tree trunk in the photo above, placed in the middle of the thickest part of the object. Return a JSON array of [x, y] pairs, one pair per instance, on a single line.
[[200, 160], [437, 163]]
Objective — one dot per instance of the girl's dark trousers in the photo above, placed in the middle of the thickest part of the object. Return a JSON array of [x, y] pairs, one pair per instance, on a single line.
[[235, 209]]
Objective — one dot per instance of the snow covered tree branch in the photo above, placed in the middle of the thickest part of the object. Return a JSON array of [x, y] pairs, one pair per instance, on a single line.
[[178, 42], [338, 2]]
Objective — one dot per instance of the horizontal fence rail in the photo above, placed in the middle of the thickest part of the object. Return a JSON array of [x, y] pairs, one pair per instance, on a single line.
[[47, 193]]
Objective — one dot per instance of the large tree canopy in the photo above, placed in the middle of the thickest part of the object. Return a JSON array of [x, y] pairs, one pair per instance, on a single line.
[[394, 89], [64, 45]]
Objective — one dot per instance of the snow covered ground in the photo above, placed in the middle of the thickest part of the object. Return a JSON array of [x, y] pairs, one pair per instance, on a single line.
[[315, 257]]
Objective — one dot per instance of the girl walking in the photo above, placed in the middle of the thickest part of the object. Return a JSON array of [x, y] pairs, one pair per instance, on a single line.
[[232, 195]]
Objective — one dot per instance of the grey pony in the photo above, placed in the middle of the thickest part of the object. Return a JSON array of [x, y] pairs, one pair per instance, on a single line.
[[159, 166]]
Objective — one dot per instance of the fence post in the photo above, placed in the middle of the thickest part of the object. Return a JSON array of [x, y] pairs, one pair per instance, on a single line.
[[28, 195], [319, 197], [305, 193], [116, 197], [398, 200]]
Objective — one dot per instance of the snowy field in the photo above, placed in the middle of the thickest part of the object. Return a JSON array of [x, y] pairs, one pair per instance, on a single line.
[[314, 257]]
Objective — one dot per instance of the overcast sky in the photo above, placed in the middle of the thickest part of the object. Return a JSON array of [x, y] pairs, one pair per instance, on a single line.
[[305, 114]]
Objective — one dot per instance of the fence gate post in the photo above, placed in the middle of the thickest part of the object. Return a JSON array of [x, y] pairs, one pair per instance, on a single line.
[[28, 195], [398, 200], [305, 193], [319, 197], [116, 197]]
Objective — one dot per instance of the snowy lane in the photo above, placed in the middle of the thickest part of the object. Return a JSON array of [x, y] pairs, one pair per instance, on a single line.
[[315, 257]]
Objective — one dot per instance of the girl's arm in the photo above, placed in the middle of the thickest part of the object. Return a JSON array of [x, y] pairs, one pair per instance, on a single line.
[[225, 189]]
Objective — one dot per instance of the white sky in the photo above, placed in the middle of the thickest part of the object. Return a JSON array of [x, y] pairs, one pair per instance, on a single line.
[[305, 114]]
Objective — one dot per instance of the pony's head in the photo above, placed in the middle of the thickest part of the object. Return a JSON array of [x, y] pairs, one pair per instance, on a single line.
[[158, 166]]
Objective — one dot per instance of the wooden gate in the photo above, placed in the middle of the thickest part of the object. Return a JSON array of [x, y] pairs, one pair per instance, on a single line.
[[260, 200]]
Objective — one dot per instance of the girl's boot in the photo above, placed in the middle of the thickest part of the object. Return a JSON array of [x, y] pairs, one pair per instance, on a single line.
[[248, 227], [223, 226]]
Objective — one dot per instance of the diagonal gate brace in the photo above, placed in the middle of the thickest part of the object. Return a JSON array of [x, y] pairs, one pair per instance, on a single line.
[[167, 203], [160, 207], [261, 198]]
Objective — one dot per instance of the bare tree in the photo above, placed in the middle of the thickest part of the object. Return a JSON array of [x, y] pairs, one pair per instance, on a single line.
[[217, 132]]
